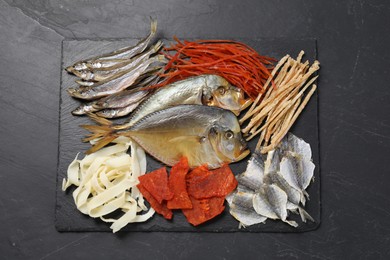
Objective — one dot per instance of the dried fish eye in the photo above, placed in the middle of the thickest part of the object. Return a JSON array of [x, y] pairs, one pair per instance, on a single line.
[[221, 90], [229, 134]]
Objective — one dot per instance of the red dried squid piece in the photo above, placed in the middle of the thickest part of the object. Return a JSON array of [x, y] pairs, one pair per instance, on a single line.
[[216, 183], [198, 174], [177, 184], [160, 208], [156, 182], [204, 210]]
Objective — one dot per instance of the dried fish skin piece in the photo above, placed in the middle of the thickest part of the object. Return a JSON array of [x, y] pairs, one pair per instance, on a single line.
[[298, 146], [275, 178], [298, 173], [272, 163], [252, 178], [293, 195], [271, 202], [241, 208]]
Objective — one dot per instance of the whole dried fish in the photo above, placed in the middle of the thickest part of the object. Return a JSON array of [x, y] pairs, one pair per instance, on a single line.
[[108, 64], [126, 52], [117, 112], [84, 109], [193, 90], [121, 99], [85, 83], [121, 81], [201, 133], [107, 75]]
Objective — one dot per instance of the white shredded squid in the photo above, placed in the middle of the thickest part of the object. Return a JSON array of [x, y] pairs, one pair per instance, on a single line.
[[106, 182]]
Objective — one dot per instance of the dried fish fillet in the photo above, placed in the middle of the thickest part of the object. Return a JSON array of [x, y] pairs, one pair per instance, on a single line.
[[276, 182], [298, 172], [271, 202], [241, 208], [252, 178]]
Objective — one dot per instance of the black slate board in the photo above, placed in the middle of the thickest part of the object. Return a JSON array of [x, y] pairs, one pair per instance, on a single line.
[[68, 218]]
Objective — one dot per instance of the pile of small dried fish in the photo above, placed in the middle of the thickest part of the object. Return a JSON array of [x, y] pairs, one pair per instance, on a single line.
[[274, 184], [106, 78]]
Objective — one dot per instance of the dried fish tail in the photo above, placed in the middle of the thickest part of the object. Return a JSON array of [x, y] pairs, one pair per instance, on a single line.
[[104, 133]]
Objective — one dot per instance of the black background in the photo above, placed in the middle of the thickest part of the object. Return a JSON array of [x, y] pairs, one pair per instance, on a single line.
[[353, 41]]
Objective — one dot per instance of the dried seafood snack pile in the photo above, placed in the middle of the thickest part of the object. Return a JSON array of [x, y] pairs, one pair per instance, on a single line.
[[274, 185]]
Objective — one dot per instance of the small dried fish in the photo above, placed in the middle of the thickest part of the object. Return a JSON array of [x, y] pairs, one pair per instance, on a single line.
[[123, 81], [84, 109], [85, 83], [109, 64], [107, 75], [126, 52], [121, 99], [118, 112]]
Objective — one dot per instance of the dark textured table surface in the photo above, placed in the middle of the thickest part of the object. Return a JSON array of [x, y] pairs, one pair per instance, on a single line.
[[353, 41]]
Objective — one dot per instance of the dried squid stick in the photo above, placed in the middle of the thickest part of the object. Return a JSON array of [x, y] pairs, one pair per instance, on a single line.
[[285, 129], [273, 113]]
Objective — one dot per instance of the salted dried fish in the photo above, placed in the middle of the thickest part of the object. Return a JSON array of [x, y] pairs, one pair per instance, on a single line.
[[271, 202], [123, 81], [253, 176], [85, 83], [84, 109], [241, 208], [194, 90], [121, 99], [293, 195], [278, 181], [201, 133], [298, 173], [108, 64], [126, 52], [118, 112], [107, 75]]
